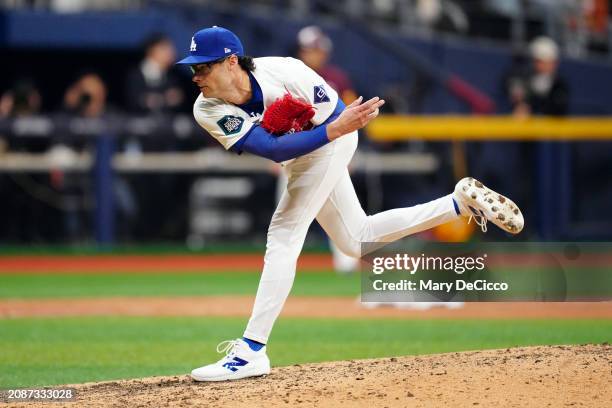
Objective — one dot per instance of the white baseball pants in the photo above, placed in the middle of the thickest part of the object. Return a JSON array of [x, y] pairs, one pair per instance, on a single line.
[[320, 187]]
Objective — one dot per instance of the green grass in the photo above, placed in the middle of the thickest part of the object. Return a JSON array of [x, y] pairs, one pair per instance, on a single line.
[[84, 248], [128, 249], [36, 351], [585, 281], [178, 284]]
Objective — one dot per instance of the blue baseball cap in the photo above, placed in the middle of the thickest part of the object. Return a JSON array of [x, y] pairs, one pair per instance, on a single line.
[[211, 44]]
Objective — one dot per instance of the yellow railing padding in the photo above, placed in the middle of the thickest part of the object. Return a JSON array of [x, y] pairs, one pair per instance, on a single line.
[[443, 128]]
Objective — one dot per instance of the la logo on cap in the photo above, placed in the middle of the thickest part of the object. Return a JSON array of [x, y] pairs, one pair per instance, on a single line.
[[227, 50], [193, 45]]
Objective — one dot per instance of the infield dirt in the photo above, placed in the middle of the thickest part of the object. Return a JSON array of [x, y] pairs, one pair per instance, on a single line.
[[549, 376]]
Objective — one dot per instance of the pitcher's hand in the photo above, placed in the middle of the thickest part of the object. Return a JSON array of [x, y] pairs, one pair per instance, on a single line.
[[354, 117]]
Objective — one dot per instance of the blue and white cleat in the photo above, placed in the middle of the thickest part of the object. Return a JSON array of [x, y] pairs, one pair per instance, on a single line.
[[482, 204], [239, 362]]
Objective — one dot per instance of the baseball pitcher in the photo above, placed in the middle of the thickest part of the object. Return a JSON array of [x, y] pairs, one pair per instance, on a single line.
[[280, 109]]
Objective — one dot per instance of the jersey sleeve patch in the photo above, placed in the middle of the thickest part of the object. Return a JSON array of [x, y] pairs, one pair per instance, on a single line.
[[320, 94], [230, 124]]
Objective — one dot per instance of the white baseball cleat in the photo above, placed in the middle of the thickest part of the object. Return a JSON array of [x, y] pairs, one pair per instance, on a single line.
[[239, 362], [482, 204]]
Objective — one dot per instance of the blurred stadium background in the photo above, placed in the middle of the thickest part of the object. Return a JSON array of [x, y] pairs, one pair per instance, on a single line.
[[98, 145], [99, 150]]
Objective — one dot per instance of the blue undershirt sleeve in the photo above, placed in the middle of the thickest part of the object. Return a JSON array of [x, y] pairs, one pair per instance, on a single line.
[[280, 148]]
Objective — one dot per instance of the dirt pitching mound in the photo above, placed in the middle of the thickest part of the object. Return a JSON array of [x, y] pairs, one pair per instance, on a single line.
[[555, 376]]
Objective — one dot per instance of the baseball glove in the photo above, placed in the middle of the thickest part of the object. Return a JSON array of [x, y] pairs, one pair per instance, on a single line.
[[287, 115]]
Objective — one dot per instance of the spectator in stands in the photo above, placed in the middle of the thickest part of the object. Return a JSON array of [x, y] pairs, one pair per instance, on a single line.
[[314, 48], [442, 15], [87, 96], [532, 86], [21, 100], [152, 87], [540, 90]]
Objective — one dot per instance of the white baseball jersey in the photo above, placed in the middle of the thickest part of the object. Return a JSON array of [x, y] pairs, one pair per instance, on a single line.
[[319, 186], [228, 123]]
